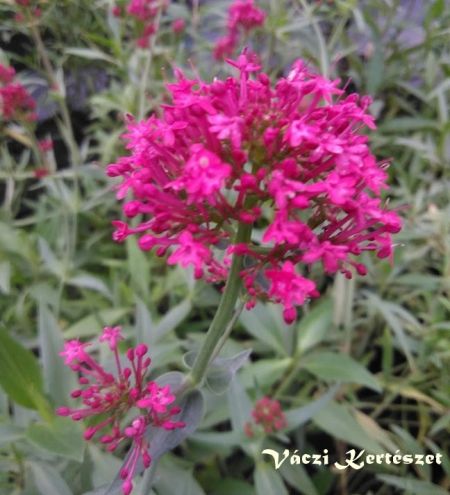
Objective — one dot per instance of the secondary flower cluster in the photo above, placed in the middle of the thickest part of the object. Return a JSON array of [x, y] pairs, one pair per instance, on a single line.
[[289, 161], [15, 101], [108, 397], [243, 16], [144, 12], [268, 414], [27, 10]]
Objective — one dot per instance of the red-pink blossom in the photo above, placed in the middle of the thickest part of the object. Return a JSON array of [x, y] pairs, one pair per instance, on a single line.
[[15, 101], [6, 74], [144, 14], [109, 397], [143, 10], [268, 414], [41, 172], [178, 26], [291, 160], [45, 145], [243, 16]]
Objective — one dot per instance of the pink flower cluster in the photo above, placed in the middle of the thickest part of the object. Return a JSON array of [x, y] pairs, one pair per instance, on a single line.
[[15, 101], [28, 9], [107, 398], [289, 160], [268, 414], [144, 13], [243, 16]]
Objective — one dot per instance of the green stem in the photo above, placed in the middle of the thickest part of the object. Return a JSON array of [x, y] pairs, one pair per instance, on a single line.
[[234, 317], [147, 66], [68, 135], [224, 312]]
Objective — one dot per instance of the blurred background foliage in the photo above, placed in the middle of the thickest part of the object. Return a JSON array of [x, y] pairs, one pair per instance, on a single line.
[[366, 366]]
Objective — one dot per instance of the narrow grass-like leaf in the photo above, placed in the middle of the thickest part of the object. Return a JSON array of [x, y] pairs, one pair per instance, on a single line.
[[314, 325], [268, 481], [61, 437], [20, 374], [339, 367], [48, 480], [93, 324], [301, 415], [412, 486], [58, 380], [338, 422]]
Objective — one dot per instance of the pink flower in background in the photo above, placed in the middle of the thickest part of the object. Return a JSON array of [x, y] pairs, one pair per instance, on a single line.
[[243, 16], [15, 102], [178, 26], [268, 414], [288, 159], [143, 10], [109, 397], [6, 74], [45, 145], [142, 15]]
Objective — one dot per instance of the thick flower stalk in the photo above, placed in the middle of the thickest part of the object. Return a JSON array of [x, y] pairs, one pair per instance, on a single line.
[[243, 17], [16, 104], [290, 160], [268, 415], [108, 397]]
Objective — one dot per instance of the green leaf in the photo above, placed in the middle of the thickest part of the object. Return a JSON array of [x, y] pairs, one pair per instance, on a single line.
[[375, 69], [298, 478], [5, 277], [10, 433], [20, 374], [102, 466], [48, 481], [229, 486], [391, 314], [139, 269], [212, 439], [264, 372], [240, 406], [268, 481], [93, 324], [91, 54], [86, 281], [222, 371], [172, 319], [58, 380], [144, 323], [259, 323], [338, 422], [171, 478], [314, 325], [436, 9], [61, 437], [412, 486], [339, 367], [301, 415]]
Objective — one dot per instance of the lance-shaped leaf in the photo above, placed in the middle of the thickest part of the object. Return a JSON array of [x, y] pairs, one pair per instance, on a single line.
[[20, 375], [221, 371]]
